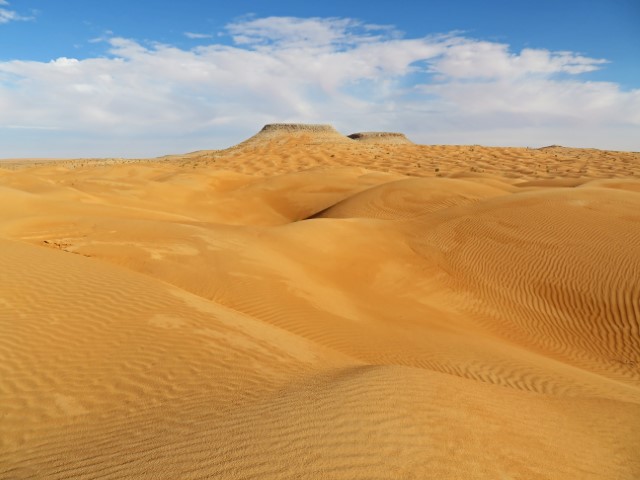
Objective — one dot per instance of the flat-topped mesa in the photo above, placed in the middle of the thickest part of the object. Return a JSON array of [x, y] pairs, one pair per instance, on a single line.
[[304, 133], [380, 137], [552, 147], [297, 127]]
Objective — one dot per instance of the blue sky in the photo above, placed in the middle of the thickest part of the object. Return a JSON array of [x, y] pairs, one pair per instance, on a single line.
[[116, 78]]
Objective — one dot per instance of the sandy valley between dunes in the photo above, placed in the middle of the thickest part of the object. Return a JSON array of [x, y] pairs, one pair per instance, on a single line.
[[310, 305]]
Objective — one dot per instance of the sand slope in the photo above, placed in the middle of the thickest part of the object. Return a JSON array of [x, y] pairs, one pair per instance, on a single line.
[[305, 305]]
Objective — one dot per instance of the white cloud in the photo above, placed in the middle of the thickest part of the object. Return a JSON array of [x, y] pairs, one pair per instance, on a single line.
[[7, 15], [153, 99], [315, 33], [475, 59], [197, 36]]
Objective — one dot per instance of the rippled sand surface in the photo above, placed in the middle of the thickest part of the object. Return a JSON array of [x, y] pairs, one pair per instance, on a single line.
[[305, 305]]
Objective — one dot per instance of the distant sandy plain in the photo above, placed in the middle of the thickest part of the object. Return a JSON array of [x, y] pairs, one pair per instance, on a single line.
[[309, 305]]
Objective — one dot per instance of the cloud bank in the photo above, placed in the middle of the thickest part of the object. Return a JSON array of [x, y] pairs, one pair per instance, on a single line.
[[151, 99]]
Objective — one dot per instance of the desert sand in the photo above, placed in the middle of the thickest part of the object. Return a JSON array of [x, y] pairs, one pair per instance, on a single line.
[[312, 305]]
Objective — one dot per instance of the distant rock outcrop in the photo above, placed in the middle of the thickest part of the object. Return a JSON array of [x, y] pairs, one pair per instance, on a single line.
[[380, 137], [299, 127], [302, 132]]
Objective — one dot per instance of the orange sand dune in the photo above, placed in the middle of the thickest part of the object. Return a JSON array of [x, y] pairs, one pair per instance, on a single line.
[[306, 305]]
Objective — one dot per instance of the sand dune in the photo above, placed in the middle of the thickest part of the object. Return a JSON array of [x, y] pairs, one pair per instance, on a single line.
[[410, 198], [306, 305]]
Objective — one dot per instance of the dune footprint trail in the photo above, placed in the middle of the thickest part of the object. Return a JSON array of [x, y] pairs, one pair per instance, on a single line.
[[312, 305]]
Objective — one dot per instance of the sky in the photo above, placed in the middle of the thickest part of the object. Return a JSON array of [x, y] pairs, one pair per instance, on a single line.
[[119, 78]]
